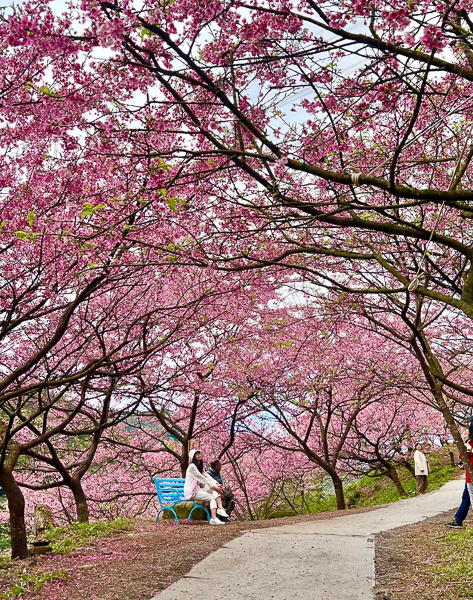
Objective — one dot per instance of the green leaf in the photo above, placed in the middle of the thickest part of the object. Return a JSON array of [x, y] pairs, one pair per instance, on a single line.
[[31, 218], [26, 237], [161, 165], [49, 92], [87, 210], [90, 209], [145, 33], [172, 203]]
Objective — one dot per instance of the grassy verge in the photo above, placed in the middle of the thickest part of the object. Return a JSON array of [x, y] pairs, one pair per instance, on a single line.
[[32, 583], [425, 561], [453, 572], [370, 492], [65, 539], [4, 537]]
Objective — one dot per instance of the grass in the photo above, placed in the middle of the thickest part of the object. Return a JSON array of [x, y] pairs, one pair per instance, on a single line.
[[454, 570], [33, 583], [425, 561], [4, 537], [368, 491], [371, 492], [65, 539]]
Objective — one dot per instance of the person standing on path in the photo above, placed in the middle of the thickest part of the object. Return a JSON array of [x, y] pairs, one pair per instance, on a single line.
[[421, 470], [469, 484], [464, 507]]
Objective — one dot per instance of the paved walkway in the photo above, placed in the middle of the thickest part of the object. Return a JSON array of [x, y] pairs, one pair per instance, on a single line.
[[319, 560]]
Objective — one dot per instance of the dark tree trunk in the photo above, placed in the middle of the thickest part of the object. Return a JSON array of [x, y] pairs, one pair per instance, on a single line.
[[452, 458], [409, 467], [16, 508], [80, 500], [394, 477], [184, 462], [339, 493]]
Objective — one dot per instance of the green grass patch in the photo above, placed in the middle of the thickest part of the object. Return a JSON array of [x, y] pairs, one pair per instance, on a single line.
[[5, 543], [373, 491], [454, 569], [33, 583], [65, 539]]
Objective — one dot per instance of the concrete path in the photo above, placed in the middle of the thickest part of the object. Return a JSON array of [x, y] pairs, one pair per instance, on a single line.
[[331, 559]]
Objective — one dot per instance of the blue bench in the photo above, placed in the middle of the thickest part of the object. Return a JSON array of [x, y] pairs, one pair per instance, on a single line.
[[171, 492]]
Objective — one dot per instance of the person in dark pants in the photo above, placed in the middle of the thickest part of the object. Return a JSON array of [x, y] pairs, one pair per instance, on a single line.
[[462, 512], [227, 498]]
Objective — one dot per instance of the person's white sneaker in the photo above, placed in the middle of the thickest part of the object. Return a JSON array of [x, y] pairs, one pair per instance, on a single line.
[[216, 522], [222, 513]]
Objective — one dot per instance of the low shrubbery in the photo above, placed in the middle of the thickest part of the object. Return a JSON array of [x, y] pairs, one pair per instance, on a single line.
[[32, 583], [4, 537], [65, 539]]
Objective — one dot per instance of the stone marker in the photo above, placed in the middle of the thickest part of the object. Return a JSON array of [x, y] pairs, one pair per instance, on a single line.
[[42, 522]]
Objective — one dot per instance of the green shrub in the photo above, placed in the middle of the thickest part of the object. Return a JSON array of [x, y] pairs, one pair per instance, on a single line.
[[5, 543], [33, 583], [65, 539]]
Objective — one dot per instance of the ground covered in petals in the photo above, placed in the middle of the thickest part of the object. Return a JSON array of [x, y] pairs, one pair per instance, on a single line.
[[425, 561], [132, 565]]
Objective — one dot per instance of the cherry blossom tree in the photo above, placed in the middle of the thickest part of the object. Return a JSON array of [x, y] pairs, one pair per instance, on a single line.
[[365, 188], [309, 144]]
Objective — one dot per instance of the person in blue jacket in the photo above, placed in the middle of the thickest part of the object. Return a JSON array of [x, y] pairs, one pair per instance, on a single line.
[[227, 498]]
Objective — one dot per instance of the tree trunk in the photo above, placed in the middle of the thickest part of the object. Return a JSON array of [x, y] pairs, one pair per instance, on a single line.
[[16, 508], [184, 462], [460, 444], [394, 477], [81, 502], [409, 467], [339, 493], [452, 458]]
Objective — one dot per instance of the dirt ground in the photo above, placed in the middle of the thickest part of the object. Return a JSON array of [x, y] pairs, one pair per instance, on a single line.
[[413, 562], [138, 564]]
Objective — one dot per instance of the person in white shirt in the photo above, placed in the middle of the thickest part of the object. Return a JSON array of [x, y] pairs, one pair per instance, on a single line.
[[199, 486], [421, 467]]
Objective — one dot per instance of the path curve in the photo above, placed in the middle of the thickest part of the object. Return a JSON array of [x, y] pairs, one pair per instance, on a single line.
[[331, 559]]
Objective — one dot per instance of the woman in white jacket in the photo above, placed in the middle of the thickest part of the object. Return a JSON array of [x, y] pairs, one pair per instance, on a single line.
[[421, 467], [202, 488]]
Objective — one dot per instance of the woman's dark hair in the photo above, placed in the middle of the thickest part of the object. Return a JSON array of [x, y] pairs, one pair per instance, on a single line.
[[198, 463]]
